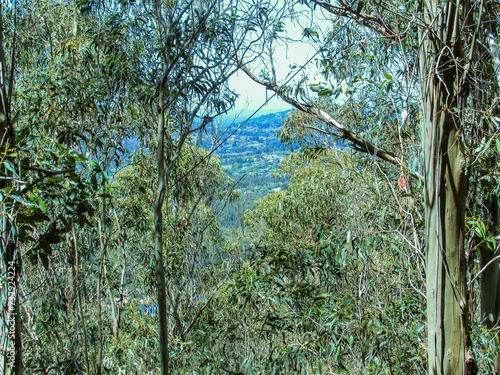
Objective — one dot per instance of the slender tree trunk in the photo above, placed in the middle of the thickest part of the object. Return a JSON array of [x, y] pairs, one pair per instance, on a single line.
[[490, 278], [76, 283], [10, 257], [114, 313], [490, 301], [158, 240], [10, 335], [116, 307], [100, 274], [449, 347]]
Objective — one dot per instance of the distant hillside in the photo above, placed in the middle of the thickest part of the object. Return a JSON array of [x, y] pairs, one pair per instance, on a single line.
[[249, 156], [252, 154], [257, 135]]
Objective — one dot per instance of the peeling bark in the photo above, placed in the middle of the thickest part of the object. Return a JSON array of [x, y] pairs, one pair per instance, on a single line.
[[449, 348]]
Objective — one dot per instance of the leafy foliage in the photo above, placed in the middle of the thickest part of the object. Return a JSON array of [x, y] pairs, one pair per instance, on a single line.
[[325, 276]]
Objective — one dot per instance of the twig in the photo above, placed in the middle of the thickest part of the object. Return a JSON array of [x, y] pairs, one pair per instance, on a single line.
[[482, 270]]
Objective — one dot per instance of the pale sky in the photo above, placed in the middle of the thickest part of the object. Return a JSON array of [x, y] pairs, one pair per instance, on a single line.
[[253, 95]]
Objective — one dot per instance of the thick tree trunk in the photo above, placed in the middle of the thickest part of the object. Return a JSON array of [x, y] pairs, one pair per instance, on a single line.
[[449, 345]]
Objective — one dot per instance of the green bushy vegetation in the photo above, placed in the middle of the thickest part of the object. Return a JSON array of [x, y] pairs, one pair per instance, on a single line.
[[356, 234]]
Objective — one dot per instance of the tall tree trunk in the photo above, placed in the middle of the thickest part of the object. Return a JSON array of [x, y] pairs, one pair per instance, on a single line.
[[78, 292], [158, 239], [100, 274], [449, 346], [490, 278], [10, 338], [10, 257], [10, 335], [490, 291]]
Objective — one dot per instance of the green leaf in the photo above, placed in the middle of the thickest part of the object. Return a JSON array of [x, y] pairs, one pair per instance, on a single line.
[[315, 87], [388, 76], [322, 296], [325, 92], [42, 205], [382, 215], [420, 328], [80, 158], [497, 141], [18, 199], [349, 240], [8, 166], [487, 146]]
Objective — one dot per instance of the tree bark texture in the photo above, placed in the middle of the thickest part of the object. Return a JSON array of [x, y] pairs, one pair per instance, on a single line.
[[445, 188]]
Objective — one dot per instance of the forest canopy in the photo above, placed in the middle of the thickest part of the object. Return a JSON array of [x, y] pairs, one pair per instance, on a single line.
[[378, 253]]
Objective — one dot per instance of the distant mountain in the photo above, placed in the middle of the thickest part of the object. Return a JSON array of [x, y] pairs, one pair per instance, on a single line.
[[238, 116], [266, 118]]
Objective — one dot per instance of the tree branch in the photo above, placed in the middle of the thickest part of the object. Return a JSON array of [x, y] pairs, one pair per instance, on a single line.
[[47, 174], [359, 143], [197, 316], [367, 20]]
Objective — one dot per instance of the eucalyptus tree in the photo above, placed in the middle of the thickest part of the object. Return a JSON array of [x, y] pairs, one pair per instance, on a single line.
[[195, 45], [23, 204], [113, 116], [448, 42], [324, 252], [73, 84], [195, 246], [77, 83]]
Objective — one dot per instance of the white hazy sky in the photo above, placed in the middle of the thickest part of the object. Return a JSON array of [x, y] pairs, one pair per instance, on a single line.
[[253, 95]]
